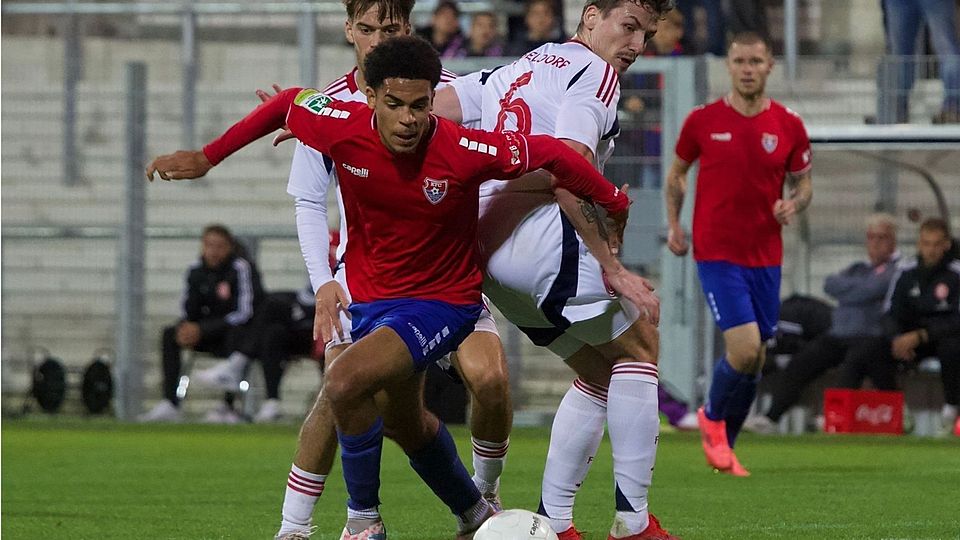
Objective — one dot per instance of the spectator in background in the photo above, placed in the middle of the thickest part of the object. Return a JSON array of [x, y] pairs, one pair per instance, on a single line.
[[484, 37], [541, 27], [645, 106], [282, 327], [444, 31], [222, 291], [716, 29], [855, 341], [903, 20], [923, 317], [748, 16]]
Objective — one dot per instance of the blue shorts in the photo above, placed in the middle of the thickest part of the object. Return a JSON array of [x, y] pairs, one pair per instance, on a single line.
[[430, 328], [741, 294]]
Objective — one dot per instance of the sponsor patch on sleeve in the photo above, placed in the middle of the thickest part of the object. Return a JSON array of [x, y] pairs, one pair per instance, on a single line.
[[312, 100]]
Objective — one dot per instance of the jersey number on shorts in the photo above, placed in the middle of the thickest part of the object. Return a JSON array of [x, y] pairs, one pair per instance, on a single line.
[[515, 106]]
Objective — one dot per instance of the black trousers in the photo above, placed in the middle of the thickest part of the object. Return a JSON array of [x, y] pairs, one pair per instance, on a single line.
[[281, 327], [948, 351], [218, 344], [857, 358]]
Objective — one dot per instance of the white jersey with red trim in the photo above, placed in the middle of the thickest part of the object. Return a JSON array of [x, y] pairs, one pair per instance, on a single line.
[[559, 89], [537, 270]]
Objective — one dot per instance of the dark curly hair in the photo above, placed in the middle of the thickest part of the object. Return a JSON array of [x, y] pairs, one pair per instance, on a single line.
[[404, 57]]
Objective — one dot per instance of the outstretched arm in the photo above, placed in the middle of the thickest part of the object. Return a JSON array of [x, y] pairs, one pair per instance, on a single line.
[[187, 164]]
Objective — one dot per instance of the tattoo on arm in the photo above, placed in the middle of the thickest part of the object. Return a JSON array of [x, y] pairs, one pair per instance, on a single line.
[[801, 190], [592, 214]]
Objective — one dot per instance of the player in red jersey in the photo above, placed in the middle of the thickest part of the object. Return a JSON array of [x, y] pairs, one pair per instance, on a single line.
[[412, 262], [748, 146]]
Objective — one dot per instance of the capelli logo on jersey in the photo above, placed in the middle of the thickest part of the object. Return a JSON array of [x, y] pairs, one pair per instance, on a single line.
[[726, 136], [356, 171]]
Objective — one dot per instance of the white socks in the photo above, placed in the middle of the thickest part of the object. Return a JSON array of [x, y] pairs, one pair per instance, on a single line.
[[303, 490], [488, 459], [634, 424], [574, 439]]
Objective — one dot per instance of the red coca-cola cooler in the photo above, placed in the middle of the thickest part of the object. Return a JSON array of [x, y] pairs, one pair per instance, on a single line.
[[862, 411]]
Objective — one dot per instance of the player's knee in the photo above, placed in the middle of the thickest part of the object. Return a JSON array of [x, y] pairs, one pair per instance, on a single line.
[[642, 343], [339, 388], [491, 389], [745, 355]]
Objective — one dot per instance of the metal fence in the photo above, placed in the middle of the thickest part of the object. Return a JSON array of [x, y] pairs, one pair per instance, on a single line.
[[66, 155]]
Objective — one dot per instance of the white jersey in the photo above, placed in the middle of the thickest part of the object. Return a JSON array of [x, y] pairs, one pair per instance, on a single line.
[[538, 272], [559, 89]]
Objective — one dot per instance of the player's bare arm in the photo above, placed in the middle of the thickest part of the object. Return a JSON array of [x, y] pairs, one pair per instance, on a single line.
[[676, 191], [446, 104], [596, 224], [603, 234], [800, 189]]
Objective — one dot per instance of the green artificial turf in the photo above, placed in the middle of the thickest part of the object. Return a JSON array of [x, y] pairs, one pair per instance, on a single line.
[[101, 480]]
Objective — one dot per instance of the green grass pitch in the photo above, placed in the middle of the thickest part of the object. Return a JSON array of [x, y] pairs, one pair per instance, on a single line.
[[101, 480]]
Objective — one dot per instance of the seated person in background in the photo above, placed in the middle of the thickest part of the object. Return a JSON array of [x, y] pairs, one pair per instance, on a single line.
[[282, 327], [484, 35], [541, 27], [444, 30], [923, 311], [223, 289], [855, 341]]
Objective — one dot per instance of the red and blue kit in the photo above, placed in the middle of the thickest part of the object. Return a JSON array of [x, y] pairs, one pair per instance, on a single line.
[[743, 164], [412, 218]]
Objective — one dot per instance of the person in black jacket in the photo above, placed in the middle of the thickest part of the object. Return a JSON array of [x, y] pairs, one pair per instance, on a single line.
[[222, 291], [923, 311]]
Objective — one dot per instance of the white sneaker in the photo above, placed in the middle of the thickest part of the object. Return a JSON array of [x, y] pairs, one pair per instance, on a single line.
[[165, 411], [222, 414], [688, 422], [269, 412], [760, 424], [222, 375]]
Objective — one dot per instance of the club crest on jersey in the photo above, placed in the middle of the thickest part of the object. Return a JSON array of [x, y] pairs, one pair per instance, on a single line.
[[435, 190], [769, 142]]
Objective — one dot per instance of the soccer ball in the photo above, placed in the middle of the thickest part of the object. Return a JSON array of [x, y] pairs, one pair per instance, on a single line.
[[515, 525]]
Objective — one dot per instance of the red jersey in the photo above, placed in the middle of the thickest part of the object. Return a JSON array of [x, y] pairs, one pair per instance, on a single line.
[[743, 164], [412, 218]]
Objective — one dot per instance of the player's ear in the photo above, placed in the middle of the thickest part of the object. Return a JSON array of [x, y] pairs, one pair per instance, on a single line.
[[590, 17], [371, 97], [348, 31]]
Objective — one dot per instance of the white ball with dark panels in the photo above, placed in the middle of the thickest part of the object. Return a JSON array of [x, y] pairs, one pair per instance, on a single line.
[[515, 525]]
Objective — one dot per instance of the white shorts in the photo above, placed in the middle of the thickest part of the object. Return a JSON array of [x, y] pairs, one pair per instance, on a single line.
[[544, 280], [486, 322]]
